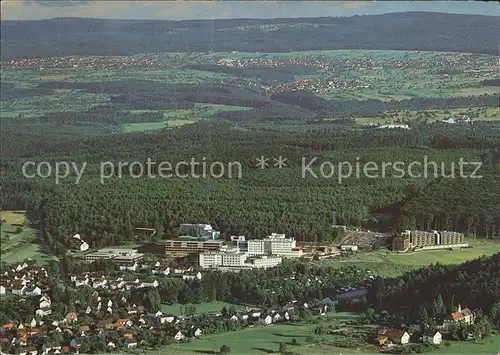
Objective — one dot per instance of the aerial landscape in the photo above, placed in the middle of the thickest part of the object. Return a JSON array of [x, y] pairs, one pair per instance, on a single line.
[[249, 177]]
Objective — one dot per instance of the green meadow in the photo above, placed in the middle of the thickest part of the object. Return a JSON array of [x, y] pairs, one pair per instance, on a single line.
[[388, 263]]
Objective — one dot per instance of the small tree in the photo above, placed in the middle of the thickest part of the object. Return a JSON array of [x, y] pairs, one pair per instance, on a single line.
[[294, 341], [282, 348], [224, 349]]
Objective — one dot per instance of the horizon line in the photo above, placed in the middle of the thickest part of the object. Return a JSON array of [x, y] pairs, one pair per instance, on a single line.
[[247, 18]]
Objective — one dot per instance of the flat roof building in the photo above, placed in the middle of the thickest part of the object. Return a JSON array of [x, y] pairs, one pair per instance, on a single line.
[[191, 245], [118, 255], [274, 244], [264, 261]]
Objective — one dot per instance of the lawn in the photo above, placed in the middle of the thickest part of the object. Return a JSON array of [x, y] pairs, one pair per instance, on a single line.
[[207, 307], [488, 346], [144, 127], [18, 239], [266, 339], [387, 263]]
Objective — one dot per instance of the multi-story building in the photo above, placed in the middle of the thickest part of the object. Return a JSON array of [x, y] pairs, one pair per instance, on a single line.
[[264, 261], [401, 243], [210, 259], [275, 244], [452, 237], [191, 245], [118, 255], [258, 247], [234, 259], [423, 239], [240, 242], [199, 230], [215, 259]]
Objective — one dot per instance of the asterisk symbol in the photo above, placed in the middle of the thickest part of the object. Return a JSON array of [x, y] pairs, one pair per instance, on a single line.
[[262, 162], [280, 162]]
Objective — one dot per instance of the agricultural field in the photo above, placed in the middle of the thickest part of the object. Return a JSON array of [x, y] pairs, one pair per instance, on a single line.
[[387, 263], [179, 118], [18, 239], [207, 307], [333, 75], [474, 113]]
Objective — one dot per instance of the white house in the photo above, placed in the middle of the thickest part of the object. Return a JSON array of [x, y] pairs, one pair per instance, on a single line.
[[45, 301], [84, 246], [35, 291], [2, 290], [255, 314], [192, 277], [179, 336], [436, 339], [268, 320], [198, 333], [41, 312], [129, 266], [276, 317], [99, 283], [131, 344], [21, 267], [149, 284], [403, 339], [349, 247], [465, 316], [162, 271]]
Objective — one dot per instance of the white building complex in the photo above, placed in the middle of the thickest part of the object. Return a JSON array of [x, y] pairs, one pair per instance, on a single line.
[[118, 255], [253, 253], [217, 259], [274, 244], [235, 260]]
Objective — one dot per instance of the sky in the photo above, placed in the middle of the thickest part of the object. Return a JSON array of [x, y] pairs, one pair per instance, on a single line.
[[184, 10]]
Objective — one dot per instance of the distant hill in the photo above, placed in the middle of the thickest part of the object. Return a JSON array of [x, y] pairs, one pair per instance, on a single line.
[[423, 31]]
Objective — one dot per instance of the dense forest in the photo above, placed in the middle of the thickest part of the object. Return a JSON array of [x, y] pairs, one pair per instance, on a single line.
[[261, 201], [474, 284], [423, 31]]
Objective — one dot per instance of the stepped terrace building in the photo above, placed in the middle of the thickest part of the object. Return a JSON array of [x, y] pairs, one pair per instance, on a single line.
[[188, 245], [422, 239]]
